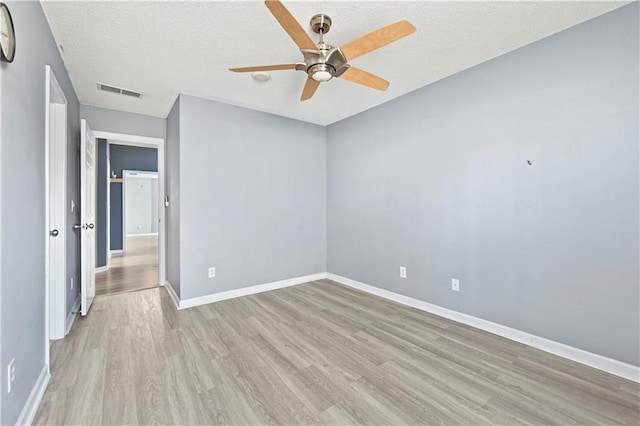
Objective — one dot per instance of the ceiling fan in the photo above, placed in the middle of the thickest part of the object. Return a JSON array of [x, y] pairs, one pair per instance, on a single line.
[[322, 61]]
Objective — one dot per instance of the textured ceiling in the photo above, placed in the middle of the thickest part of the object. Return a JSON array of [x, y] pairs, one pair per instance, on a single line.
[[165, 48]]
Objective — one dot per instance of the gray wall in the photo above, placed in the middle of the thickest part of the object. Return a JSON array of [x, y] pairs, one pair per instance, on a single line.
[[22, 221], [124, 157], [252, 198], [438, 181], [109, 120], [172, 189], [102, 185]]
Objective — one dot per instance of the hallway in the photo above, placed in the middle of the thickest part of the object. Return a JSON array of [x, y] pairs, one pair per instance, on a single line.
[[137, 269]]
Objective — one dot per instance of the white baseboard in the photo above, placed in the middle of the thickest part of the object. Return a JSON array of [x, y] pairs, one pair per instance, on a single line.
[[599, 362], [102, 269], [116, 252], [172, 294], [35, 397], [246, 291], [148, 234], [72, 317]]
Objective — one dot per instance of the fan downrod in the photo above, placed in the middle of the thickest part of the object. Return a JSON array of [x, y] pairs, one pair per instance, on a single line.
[[320, 23]]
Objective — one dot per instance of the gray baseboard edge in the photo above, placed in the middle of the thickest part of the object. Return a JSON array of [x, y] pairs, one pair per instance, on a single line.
[[245, 291], [172, 294]]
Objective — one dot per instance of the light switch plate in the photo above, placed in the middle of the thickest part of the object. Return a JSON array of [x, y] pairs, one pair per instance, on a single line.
[[403, 272]]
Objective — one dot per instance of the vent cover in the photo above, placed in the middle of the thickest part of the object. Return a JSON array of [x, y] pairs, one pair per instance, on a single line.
[[119, 90]]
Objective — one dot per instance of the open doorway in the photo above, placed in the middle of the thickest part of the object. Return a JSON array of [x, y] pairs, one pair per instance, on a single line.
[[134, 219], [129, 223]]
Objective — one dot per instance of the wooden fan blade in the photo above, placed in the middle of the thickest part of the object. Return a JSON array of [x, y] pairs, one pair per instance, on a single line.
[[265, 68], [310, 88], [377, 39], [290, 25], [359, 76]]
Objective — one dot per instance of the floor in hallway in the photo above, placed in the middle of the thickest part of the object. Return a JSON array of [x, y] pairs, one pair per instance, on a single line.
[[316, 353], [137, 269]]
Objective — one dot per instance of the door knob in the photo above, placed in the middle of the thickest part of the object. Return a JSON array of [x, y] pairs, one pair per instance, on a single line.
[[54, 233], [91, 226], [76, 227]]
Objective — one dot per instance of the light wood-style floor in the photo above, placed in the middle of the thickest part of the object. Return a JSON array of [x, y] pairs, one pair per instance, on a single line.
[[137, 269], [315, 353]]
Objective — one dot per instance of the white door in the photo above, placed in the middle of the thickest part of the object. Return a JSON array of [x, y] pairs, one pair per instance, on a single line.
[[56, 139], [88, 215]]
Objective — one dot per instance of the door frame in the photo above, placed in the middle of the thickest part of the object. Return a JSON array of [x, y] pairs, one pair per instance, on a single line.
[[47, 360], [144, 142], [55, 291], [107, 224]]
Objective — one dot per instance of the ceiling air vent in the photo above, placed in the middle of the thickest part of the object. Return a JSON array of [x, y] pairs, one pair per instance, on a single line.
[[119, 90]]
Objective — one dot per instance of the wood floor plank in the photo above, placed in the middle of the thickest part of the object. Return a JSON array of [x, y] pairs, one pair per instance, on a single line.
[[184, 403], [226, 404], [119, 399], [137, 269], [318, 399], [317, 353], [582, 406], [52, 408], [85, 398]]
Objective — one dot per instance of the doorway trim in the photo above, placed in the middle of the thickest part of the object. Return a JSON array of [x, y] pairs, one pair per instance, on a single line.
[[146, 142], [55, 287]]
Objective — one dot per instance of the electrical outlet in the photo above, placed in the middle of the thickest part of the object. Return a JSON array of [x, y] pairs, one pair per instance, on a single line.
[[212, 272], [455, 284], [403, 272], [71, 283], [11, 374]]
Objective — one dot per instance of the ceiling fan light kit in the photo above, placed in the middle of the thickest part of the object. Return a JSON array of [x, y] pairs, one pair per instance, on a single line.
[[323, 62], [321, 72]]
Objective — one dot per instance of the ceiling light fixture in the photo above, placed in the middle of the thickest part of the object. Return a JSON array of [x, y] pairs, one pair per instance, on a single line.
[[261, 76], [322, 72]]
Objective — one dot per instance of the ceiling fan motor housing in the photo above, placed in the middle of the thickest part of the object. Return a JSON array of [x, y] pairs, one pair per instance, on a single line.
[[326, 59], [326, 62]]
